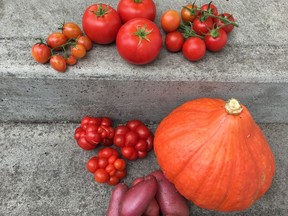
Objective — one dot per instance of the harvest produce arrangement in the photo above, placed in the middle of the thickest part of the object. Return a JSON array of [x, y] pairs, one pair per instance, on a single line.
[[138, 39], [210, 151]]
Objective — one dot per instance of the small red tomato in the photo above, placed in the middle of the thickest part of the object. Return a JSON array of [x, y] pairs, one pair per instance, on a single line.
[[227, 28], [113, 180], [108, 152], [129, 152], [194, 49], [92, 164], [101, 176], [216, 40], [86, 42], [189, 13], [102, 162], [56, 40], [174, 41], [120, 174], [58, 63], [119, 164], [41, 53], [202, 27], [71, 60], [71, 30], [170, 21], [210, 8], [78, 51]]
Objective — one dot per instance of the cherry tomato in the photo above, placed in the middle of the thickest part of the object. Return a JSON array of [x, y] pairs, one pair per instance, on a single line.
[[41, 53], [71, 30], [187, 14], [216, 40], [194, 49], [139, 41], [119, 164], [226, 28], [113, 180], [71, 60], [101, 23], [78, 51], [129, 152], [107, 152], [202, 27], [130, 9], [211, 8], [120, 174], [56, 39], [58, 63], [174, 41], [86, 42], [101, 176], [170, 21], [92, 164]]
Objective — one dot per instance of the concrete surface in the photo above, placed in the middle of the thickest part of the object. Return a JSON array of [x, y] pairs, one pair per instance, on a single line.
[[253, 67], [43, 173]]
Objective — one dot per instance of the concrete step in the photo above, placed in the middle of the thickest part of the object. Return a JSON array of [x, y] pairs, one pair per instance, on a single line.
[[253, 68], [43, 173]]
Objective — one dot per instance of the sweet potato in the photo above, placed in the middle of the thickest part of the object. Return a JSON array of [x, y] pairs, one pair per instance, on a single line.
[[138, 197], [152, 209], [116, 199], [168, 198]]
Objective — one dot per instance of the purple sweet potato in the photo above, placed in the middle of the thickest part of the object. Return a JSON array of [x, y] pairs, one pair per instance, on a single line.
[[152, 209], [138, 197], [168, 198], [116, 199]]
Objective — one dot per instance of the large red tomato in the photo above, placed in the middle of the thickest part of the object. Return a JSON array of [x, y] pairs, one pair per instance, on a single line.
[[101, 23], [129, 9], [139, 41]]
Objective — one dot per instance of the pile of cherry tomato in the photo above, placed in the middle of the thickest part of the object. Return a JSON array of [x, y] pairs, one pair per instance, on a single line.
[[133, 139], [196, 29], [62, 48]]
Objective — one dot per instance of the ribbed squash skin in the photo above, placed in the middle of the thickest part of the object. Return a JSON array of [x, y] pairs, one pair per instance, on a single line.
[[216, 160]]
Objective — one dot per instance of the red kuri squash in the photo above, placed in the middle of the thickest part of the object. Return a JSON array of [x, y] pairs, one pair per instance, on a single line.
[[215, 154]]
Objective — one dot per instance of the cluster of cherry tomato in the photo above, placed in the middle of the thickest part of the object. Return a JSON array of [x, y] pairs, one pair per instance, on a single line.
[[194, 30], [134, 139], [62, 48], [107, 167]]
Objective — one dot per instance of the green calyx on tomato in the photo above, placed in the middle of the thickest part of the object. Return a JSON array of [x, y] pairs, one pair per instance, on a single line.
[[214, 33], [101, 11], [142, 33], [138, 1]]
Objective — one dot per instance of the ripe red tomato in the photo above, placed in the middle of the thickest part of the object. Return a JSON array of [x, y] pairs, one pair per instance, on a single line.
[[58, 63], [101, 23], [211, 8], [174, 41], [226, 28], [41, 53], [101, 176], [130, 9], [170, 21], [202, 27], [139, 41], [85, 41], [92, 164], [113, 180], [71, 60], [194, 49], [187, 14], [78, 51], [56, 39], [119, 164], [216, 40], [71, 30]]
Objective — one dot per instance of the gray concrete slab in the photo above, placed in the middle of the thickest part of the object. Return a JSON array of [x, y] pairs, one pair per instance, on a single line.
[[43, 173], [252, 67]]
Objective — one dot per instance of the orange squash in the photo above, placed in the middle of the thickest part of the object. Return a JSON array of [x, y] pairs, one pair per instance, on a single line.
[[215, 154]]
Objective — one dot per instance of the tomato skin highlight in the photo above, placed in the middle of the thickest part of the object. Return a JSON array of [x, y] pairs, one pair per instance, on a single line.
[[216, 44], [170, 21], [101, 29], [186, 14], [78, 51], [85, 41], [41, 53], [130, 9], [174, 41], [194, 49], [202, 28], [135, 50]]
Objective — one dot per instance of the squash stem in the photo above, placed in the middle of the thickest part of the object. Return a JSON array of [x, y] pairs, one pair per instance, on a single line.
[[233, 107]]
